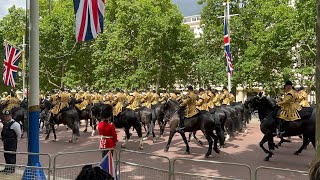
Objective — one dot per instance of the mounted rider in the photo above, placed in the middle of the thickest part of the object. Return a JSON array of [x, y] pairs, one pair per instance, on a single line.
[[136, 100], [231, 97], [187, 108], [217, 98], [64, 99], [290, 107], [86, 97], [303, 97], [211, 97], [225, 96], [12, 101], [147, 99], [155, 97], [202, 103], [164, 97], [118, 102], [173, 96], [54, 98]]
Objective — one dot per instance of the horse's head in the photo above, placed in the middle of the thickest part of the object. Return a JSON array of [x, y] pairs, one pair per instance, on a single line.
[[263, 104], [252, 104]]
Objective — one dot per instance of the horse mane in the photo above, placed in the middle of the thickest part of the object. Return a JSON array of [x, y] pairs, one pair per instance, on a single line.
[[271, 102]]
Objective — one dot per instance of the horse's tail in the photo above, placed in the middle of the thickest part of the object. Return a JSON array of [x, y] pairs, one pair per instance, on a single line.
[[76, 126], [137, 126]]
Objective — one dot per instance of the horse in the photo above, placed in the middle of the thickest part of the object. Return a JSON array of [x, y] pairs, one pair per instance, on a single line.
[[158, 116], [85, 114], [147, 120], [68, 116], [203, 121], [45, 107], [267, 111]]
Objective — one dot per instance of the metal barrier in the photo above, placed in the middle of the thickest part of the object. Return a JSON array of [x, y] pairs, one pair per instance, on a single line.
[[16, 171], [158, 168], [177, 175], [287, 174], [65, 171]]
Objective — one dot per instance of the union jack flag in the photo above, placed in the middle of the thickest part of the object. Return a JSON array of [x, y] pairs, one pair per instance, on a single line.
[[227, 46], [108, 165], [89, 18], [12, 57]]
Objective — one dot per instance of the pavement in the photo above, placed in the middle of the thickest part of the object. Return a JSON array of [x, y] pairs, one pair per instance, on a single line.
[[242, 149]]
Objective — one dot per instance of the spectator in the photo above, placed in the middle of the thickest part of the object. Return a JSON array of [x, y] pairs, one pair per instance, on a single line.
[[314, 172], [10, 135], [107, 130]]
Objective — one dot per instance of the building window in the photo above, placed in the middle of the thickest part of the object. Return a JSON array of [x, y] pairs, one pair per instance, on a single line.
[[194, 19]]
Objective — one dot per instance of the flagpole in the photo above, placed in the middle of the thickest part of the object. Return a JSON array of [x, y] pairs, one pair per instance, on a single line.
[[33, 104], [23, 67], [227, 14]]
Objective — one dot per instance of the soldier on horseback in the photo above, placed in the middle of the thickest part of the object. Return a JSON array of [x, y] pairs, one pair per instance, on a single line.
[[118, 102], [155, 98], [225, 98], [64, 98], [290, 107], [211, 97], [147, 99], [303, 97], [187, 108], [12, 101], [202, 103]]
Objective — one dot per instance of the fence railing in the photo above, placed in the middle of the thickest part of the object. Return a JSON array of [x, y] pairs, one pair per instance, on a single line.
[[279, 173], [21, 169], [202, 166], [63, 166]]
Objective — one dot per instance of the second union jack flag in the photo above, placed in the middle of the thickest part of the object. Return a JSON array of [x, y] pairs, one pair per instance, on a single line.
[[89, 18], [227, 46], [12, 57]]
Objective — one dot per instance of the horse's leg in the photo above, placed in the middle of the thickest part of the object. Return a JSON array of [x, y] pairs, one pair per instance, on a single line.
[[265, 139], [86, 129], [190, 135], [126, 130], [305, 143], [195, 137], [210, 142], [54, 133], [138, 128], [186, 142], [169, 140], [151, 129], [94, 127], [48, 134]]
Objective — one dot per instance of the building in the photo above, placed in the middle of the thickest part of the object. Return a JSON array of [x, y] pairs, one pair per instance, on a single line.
[[195, 25]]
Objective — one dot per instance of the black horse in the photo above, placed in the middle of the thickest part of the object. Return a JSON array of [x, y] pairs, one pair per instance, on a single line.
[[268, 111], [68, 116], [158, 115], [147, 119], [45, 107], [203, 121]]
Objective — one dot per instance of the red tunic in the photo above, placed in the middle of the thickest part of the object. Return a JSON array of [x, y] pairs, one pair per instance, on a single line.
[[107, 129]]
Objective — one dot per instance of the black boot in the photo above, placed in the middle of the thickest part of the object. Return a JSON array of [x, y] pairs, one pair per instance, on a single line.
[[180, 128]]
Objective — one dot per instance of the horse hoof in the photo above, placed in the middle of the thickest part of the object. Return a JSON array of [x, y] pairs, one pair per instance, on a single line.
[[207, 155], [216, 150], [166, 150], [122, 146], [145, 138], [187, 152], [154, 140], [141, 147], [200, 142], [54, 140], [296, 153], [266, 159], [85, 130]]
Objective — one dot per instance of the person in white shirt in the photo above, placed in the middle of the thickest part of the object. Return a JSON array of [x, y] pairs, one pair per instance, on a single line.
[[10, 134]]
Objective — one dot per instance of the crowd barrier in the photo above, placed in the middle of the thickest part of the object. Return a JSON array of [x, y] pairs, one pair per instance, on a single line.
[[63, 166], [22, 169]]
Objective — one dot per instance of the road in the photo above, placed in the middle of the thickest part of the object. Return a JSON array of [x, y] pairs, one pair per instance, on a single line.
[[243, 149]]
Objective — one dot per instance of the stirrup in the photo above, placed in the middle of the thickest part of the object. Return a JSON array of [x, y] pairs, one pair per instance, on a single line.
[[180, 129]]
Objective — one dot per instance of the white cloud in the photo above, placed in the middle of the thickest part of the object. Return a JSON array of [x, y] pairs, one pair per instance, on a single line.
[[6, 4]]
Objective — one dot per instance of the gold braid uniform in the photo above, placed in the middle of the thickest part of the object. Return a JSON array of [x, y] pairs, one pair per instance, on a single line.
[[86, 101], [64, 102], [12, 102], [216, 99], [225, 98], [164, 97], [190, 103], [155, 98], [136, 101], [290, 107], [303, 98], [120, 98], [210, 100], [54, 99], [173, 96], [147, 100], [202, 103], [232, 98]]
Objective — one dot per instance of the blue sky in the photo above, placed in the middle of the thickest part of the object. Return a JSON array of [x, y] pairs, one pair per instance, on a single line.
[[187, 7], [6, 4]]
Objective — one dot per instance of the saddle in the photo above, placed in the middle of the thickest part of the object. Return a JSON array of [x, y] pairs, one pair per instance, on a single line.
[[65, 109]]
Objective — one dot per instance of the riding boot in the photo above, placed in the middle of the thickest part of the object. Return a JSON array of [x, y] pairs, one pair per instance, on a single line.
[[282, 124], [181, 122]]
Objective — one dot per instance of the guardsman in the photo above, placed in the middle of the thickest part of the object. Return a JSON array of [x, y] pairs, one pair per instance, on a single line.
[[211, 97], [78, 95], [155, 98], [130, 100], [290, 107], [225, 96], [118, 102], [64, 98], [232, 98], [202, 103], [187, 108], [73, 93], [303, 97], [147, 99], [217, 98], [173, 96], [164, 97], [54, 98], [86, 100], [136, 100], [13, 101]]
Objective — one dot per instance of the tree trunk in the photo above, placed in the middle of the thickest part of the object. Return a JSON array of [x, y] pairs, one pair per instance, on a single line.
[[62, 74], [159, 76], [317, 78]]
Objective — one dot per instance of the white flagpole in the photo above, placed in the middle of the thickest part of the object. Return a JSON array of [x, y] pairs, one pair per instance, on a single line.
[[227, 16], [23, 68]]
